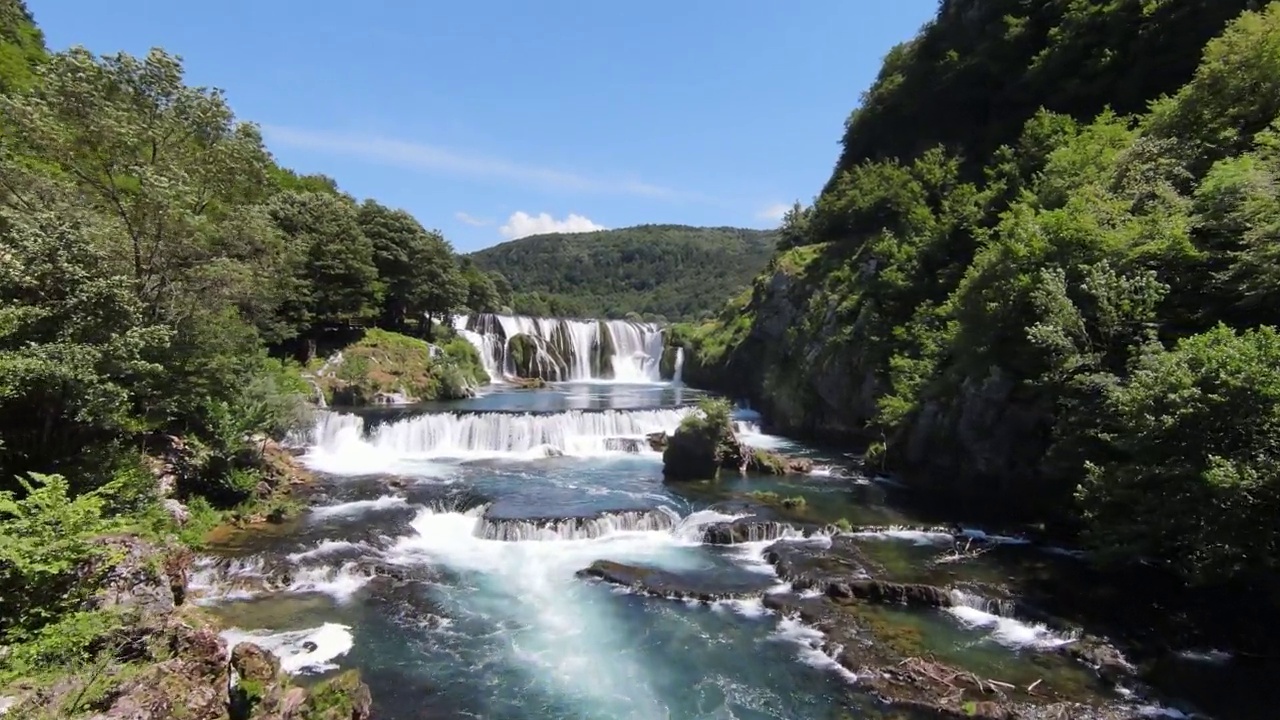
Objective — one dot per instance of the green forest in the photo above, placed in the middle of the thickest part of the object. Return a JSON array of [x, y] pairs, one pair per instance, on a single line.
[[163, 281], [655, 272], [1042, 282]]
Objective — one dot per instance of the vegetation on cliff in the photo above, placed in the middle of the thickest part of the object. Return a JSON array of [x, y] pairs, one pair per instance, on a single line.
[[654, 272], [706, 441], [1042, 277], [160, 278], [383, 364]]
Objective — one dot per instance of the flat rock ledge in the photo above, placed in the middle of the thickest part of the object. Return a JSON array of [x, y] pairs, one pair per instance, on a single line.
[[656, 582]]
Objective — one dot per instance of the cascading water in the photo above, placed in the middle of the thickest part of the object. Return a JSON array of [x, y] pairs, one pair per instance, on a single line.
[[488, 346], [584, 528], [463, 586], [560, 349], [494, 434], [678, 377]]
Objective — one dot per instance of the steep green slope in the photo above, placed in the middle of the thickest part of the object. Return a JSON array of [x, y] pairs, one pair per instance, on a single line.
[[672, 271], [1061, 326], [973, 75], [21, 45]]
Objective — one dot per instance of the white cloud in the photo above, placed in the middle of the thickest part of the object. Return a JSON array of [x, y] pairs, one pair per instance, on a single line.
[[522, 224], [471, 219], [774, 212], [433, 158]]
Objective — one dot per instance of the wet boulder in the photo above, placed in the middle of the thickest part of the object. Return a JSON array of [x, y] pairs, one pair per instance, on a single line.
[[626, 445], [744, 530], [809, 565], [1107, 661], [698, 449], [657, 441], [656, 582], [887, 593], [767, 462]]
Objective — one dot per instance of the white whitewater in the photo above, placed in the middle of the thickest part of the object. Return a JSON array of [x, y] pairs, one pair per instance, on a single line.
[[487, 345], [565, 349], [472, 435], [660, 519], [678, 377]]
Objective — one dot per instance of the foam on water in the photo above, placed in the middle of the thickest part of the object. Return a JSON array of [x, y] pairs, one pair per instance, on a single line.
[[809, 642], [357, 507], [331, 641], [325, 547], [340, 583], [974, 611], [563, 634], [917, 537]]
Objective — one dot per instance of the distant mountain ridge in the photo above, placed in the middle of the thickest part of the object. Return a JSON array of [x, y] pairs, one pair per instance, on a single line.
[[672, 272]]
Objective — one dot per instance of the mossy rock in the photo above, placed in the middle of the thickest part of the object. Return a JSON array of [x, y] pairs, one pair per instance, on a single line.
[[602, 352], [382, 364], [343, 697], [667, 363]]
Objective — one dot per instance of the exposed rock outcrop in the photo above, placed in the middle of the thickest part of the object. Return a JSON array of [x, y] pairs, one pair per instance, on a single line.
[[676, 586], [702, 446], [167, 662]]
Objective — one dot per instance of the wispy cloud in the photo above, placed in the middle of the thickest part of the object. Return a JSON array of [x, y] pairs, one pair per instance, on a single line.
[[522, 224], [438, 159], [774, 212], [472, 219]]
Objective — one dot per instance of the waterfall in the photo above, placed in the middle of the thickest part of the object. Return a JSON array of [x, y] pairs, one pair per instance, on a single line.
[[576, 528], [560, 349], [486, 345], [677, 378], [637, 348], [465, 435]]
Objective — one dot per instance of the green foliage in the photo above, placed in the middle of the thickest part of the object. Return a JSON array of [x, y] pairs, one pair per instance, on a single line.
[[418, 267], [72, 345], [1020, 228], [677, 272], [338, 271], [45, 542], [713, 415], [974, 75], [333, 699], [1191, 475], [387, 362], [21, 46], [480, 288]]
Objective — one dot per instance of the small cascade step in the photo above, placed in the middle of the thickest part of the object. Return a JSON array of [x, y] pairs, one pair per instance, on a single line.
[[587, 527]]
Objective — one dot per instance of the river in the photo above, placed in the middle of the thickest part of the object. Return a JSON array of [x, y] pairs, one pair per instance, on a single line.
[[442, 554]]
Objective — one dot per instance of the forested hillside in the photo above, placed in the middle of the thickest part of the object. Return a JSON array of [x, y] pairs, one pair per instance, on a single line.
[[1039, 308], [670, 272], [159, 274]]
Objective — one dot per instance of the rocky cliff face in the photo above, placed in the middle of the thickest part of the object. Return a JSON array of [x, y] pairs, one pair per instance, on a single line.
[[167, 661], [804, 362]]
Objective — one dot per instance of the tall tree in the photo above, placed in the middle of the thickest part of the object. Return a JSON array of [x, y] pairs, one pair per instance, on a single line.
[[481, 295], [417, 266], [342, 287], [159, 159]]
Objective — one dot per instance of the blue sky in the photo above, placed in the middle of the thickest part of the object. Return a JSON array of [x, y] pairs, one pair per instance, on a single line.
[[492, 119]]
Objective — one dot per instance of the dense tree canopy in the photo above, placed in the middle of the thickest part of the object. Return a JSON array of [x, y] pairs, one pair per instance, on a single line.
[[1037, 304], [418, 267], [153, 257], [667, 271]]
